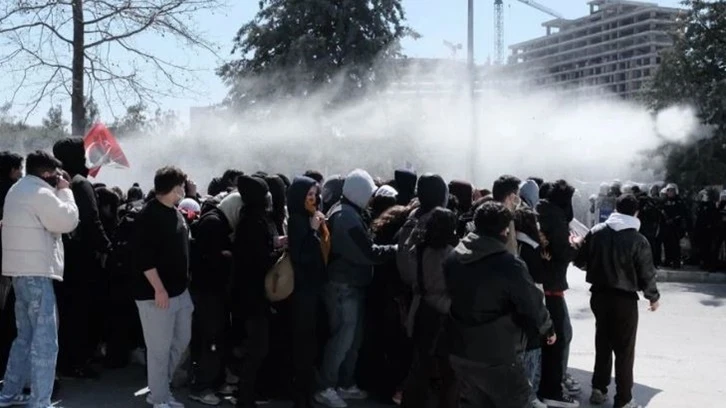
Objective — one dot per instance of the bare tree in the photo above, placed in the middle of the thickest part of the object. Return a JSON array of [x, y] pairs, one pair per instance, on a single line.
[[83, 47]]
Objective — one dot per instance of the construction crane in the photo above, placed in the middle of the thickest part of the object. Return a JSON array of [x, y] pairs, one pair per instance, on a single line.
[[499, 24]]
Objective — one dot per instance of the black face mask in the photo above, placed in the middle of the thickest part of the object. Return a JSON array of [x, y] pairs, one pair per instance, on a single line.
[[52, 180]]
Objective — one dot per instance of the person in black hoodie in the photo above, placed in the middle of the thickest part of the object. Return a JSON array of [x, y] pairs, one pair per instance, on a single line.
[[619, 264], [84, 249], [555, 213], [255, 251], [405, 185], [278, 191], [309, 247], [494, 302], [11, 169], [211, 267]]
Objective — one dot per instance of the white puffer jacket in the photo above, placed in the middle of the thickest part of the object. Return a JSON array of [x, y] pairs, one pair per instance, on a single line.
[[35, 217]]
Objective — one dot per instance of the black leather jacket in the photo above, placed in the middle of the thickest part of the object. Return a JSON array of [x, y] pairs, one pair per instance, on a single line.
[[618, 261]]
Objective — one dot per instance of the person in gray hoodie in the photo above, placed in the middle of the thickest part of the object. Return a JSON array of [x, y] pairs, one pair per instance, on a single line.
[[350, 270]]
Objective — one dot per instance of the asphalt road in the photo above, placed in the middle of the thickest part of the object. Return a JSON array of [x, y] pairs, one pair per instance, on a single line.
[[680, 360]]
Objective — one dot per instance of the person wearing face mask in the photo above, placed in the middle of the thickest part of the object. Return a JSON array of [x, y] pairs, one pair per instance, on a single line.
[[506, 191], [494, 304], [38, 209], [309, 249], [85, 248], [161, 281]]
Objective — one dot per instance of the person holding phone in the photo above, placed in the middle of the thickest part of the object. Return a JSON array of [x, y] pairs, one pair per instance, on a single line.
[[38, 210]]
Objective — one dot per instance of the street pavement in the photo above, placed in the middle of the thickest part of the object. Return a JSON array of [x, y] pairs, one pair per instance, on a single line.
[[680, 358]]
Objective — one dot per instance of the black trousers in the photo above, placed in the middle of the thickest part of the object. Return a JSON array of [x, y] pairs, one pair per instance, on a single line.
[[210, 323], [76, 310], [8, 330], [430, 352], [672, 245], [255, 349], [304, 321], [616, 326], [122, 328], [656, 249], [482, 386], [552, 368]]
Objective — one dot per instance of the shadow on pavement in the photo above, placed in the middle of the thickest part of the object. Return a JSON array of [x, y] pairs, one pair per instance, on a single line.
[[641, 393]]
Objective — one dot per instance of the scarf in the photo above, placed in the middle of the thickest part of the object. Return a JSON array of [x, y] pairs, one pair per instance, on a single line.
[[324, 232]]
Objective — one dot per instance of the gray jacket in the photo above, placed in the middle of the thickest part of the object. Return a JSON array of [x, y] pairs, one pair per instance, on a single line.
[[353, 253]]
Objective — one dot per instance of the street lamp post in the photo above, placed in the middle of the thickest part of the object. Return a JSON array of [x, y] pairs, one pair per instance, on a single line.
[[471, 69]]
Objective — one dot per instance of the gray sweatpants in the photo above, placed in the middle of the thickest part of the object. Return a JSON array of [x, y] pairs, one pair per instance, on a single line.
[[167, 333]]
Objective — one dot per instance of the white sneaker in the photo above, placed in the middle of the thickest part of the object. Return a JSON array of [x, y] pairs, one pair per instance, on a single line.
[[632, 404], [330, 398], [352, 393], [571, 386], [172, 403], [162, 405], [227, 389], [598, 397]]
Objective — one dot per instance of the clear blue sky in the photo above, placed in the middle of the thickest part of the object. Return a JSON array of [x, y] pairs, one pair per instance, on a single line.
[[435, 20]]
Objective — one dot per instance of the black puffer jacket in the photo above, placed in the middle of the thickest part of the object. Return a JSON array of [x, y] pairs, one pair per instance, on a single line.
[[555, 226], [493, 302], [618, 258]]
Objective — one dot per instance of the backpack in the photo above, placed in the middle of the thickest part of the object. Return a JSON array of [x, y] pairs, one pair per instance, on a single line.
[[121, 259]]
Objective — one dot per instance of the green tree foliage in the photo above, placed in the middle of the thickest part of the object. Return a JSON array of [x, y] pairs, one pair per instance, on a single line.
[[292, 48], [693, 72], [54, 119]]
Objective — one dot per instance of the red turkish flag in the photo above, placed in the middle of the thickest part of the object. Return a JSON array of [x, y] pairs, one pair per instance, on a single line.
[[102, 149]]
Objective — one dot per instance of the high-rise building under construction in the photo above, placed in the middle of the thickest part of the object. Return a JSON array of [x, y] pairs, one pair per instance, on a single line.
[[615, 48]]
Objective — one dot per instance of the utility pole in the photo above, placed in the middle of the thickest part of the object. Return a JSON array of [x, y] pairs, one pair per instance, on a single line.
[[474, 142]]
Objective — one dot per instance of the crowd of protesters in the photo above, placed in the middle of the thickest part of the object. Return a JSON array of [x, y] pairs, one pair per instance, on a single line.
[[319, 290]]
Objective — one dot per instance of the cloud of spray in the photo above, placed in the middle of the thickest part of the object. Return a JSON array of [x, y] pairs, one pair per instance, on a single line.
[[520, 132]]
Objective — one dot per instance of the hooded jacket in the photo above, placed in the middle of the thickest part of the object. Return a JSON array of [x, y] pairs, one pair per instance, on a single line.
[[406, 185], [618, 258], [253, 248], [529, 192], [90, 237], [493, 302], [555, 226], [332, 191], [303, 241], [433, 192], [353, 252], [210, 269], [278, 191]]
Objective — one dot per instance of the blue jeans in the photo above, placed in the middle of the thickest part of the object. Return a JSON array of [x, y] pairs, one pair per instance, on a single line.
[[532, 362], [345, 305], [35, 349]]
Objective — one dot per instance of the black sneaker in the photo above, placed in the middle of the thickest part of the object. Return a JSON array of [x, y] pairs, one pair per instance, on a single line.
[[565, 401]]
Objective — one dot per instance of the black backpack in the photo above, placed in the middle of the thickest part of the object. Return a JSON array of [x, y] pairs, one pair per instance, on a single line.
[[121, 259]]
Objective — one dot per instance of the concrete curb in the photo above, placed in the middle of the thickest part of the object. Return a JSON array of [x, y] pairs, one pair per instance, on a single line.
[[667, 275]]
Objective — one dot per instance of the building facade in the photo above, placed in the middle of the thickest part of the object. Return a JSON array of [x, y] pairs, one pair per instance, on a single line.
[[615, 48]]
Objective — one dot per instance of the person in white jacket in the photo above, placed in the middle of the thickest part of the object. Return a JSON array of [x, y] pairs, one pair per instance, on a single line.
[[38, 210]]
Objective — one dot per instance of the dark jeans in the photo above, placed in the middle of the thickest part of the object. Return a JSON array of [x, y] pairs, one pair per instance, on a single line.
[[429, 352], [122, 329], [208, 348], [552, 356], [255, 349], [304, 321], [345, 305], [616, 325], [482, 386]]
